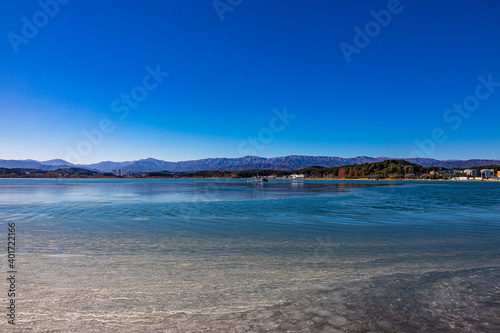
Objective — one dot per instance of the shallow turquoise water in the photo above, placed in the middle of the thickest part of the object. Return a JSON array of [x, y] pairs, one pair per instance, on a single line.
[[232, 256]]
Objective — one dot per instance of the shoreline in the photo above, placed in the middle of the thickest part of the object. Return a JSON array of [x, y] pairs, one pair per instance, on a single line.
[[287, 179]]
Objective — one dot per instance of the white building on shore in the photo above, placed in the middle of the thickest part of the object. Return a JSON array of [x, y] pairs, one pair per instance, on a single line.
[[473, 172], [295, 176], [487, 173]]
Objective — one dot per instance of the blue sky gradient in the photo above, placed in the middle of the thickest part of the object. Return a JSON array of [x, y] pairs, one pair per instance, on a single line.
[[226, 77]]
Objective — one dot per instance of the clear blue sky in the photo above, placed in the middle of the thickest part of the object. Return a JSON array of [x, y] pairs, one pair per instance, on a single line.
[[226, 77]]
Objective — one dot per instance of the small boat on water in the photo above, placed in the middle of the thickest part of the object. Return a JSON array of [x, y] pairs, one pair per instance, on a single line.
[[258, 179]]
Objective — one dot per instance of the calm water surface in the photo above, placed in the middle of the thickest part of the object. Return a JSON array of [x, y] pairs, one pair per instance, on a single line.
[[231, 256]]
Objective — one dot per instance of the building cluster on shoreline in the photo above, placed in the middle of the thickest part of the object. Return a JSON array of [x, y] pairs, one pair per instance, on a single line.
[[469, 174], [125, 173], [292, 176]]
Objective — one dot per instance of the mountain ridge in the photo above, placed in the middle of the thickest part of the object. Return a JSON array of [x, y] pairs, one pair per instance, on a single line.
[[285, 163]]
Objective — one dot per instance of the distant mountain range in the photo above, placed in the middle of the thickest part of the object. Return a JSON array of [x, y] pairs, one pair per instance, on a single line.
[[287, 163]]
